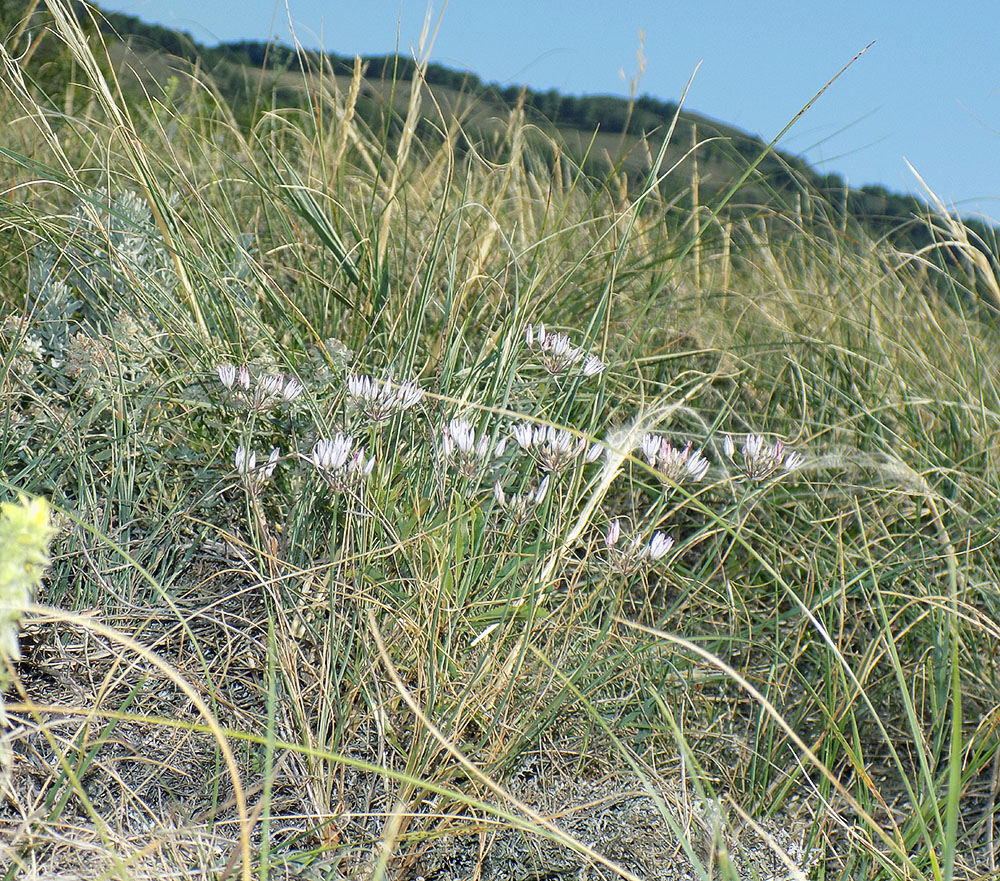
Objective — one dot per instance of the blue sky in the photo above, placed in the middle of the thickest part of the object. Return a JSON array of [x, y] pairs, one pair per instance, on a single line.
[[928, 90]]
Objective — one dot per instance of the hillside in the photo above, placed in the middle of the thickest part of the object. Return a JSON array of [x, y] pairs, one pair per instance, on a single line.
[[603, 131], [393, 496], [718, 168]]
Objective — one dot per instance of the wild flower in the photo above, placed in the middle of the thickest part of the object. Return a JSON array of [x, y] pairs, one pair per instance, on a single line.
[[380, 401], [253, 477], [520, 507], [554, 449], [227, 374], [673, 464], [462, 451], [268, 391], [339, 463], [759, 460], [558, 354], [628, 556], [592, 365]]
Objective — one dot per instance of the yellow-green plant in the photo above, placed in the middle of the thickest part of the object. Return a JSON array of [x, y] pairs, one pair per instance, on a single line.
[[25, 532]]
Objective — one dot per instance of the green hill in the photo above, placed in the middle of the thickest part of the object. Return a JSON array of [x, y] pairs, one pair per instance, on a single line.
[[602, 133]]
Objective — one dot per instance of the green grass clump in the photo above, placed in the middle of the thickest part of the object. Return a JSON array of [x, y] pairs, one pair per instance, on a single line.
[[427, 512]]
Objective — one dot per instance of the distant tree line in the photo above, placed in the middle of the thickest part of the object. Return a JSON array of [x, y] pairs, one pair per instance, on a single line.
[[781, 178]]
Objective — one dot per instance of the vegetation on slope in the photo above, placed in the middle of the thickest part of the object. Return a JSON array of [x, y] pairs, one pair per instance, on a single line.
[[665, 647]]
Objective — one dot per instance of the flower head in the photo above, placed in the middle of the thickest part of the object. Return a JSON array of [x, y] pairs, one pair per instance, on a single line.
[[558, 354], [520, 507], [462, 451], [268, 391], [673, 464], [554, 449], [627, 556], [759, 460], [380, 401], [253, 477], [339, 463]]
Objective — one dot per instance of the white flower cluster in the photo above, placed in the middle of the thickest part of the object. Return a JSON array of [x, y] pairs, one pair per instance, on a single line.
[[380, 401], [554, 449], [520, 507], [759, 460], [558, 354], [463, 452], [342, 465], [673, 464], [262, 393], [253, 477], [626, 556]]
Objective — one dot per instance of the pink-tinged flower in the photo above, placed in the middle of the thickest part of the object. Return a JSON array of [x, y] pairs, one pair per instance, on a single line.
[[272, 460], [339, 463], [246, 460], [673, 464], [659, 545], [243, 378], [627, 555], [292, 389], [380, 401], [558, 354], [592, 365], [613, 534], [759, 460]]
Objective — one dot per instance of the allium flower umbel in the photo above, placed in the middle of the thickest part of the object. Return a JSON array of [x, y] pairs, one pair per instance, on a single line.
[[339, 463], [253, 477], [520, 507], [758, 460], [554, 449], [462, 451], [558, 354], [266, 392], [673, 464], [380, 401], [627, 556]]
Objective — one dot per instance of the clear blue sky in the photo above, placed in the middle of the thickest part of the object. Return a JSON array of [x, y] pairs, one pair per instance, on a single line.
[[928, 90]]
